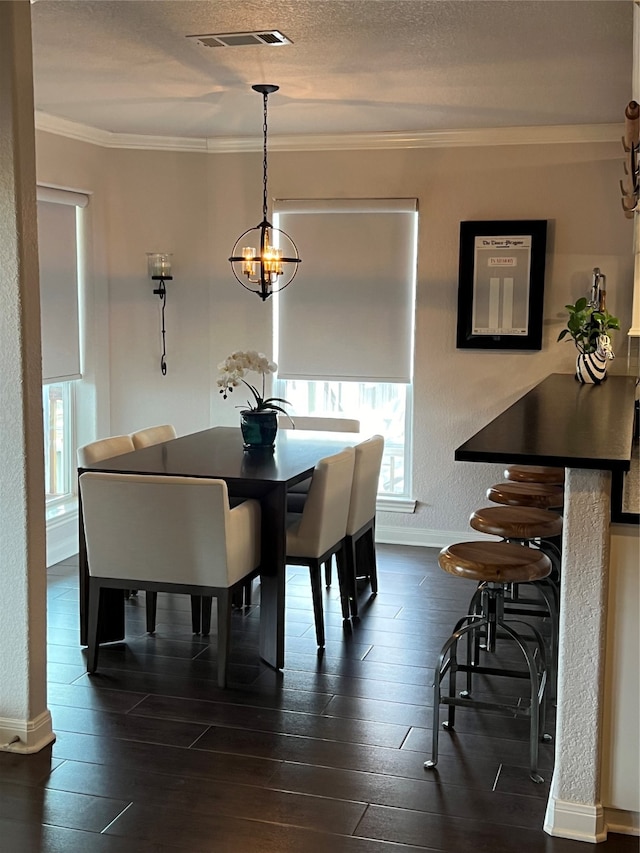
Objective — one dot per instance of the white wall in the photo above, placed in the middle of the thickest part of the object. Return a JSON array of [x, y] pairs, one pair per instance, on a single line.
[[195, 205], [158, 202]]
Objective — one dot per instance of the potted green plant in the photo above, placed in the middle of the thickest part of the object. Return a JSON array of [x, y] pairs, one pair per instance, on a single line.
[[589, 324], [258, 421]]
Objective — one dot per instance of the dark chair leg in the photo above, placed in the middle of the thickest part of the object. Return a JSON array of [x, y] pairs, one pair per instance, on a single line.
[[316, 594], [242, 594], [327, 572], [224, 633], [93, 625], [362, 556], [206, 614], [344, 582], [373, 568], [196, 608], [151, 605], [351, 574]]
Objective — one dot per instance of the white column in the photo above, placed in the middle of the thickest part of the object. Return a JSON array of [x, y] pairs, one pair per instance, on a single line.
[[25, 722], [574, 809]]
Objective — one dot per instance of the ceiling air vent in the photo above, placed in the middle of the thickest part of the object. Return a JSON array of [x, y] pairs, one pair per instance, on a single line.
[[268, 37]]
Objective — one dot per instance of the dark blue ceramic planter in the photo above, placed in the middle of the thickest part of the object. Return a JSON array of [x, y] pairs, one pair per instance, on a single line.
[[258, 428]]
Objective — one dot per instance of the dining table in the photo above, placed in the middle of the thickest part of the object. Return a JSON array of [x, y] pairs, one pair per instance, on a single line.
[[261, 473]]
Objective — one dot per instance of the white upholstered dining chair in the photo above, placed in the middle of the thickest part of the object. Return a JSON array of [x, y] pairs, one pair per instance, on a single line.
[[328, 424], [297, 494], [361, 522], [172, 534], [104, 448], [153, 435], [318, 533]]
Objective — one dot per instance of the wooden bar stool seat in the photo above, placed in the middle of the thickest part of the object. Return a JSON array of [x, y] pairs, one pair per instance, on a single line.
[[494, 562], [540, 495], [525, 525], [535, 474], [494, 566], [517, 522]]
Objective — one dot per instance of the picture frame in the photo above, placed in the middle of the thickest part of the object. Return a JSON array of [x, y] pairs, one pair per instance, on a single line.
[[501, 284]]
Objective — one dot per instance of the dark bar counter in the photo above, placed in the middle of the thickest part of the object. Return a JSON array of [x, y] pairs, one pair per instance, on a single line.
[[588, 431], [564, 424]]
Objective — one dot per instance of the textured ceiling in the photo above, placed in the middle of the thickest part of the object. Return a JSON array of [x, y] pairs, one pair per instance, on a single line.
[[355, 66]]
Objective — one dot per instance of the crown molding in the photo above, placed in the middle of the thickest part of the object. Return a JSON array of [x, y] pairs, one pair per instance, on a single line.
[[107, 139], [567, 133]]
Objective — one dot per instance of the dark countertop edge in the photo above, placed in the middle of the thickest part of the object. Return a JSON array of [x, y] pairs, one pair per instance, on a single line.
[[620, 462], [462, 455]]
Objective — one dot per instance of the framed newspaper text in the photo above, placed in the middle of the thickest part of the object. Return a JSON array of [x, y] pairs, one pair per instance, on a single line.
[[501, 284]]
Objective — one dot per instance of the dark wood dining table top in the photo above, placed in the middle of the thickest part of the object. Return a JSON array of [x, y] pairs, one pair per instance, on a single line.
[[219, 452]]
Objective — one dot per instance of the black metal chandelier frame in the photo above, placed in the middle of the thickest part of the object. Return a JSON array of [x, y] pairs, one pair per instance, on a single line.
[[265, 268]]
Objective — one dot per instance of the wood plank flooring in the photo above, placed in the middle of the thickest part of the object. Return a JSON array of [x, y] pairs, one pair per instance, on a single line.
[[152, 757]]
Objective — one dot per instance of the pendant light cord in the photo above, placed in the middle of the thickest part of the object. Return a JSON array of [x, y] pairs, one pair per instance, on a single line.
[[264, 159]]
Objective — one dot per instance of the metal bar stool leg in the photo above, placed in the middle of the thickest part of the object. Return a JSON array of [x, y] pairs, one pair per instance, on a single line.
[[537, 691], [444, 664], [496, 565]]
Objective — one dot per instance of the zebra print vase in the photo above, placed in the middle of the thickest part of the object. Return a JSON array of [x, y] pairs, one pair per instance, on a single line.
[[591, 368]]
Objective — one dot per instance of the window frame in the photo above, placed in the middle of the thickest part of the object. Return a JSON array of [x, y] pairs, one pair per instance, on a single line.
[[394, 498], [61, 504]]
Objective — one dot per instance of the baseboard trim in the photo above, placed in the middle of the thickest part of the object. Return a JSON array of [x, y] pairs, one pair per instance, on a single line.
[[62, 538], [425, 537], [26, 736], [578, 821], [618, 820]]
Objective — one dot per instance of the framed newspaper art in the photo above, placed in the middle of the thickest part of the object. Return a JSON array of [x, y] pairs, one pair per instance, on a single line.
[[501, 284]]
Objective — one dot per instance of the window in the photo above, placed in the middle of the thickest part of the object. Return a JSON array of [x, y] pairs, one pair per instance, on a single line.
[[58, 258], [58, 405], [381, 407], [59, 298], [343, 333]]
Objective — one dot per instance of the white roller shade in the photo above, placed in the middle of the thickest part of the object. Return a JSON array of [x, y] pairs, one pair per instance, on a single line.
[[57, 252], [348, 315], [53, 194]]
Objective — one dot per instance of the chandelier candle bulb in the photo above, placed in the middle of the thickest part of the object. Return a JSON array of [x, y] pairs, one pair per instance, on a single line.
[[249, 266]]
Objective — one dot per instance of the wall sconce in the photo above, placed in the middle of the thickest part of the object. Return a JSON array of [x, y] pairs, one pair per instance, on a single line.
[[160, 270]]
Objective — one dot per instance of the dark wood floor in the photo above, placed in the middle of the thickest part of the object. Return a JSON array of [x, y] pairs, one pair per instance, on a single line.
[[327, 756]]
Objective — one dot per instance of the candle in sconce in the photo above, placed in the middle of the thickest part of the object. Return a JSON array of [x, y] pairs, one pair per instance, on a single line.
[[159, 264]]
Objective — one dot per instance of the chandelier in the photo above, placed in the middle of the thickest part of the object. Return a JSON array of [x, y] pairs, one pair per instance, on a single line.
[[271, 263]]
